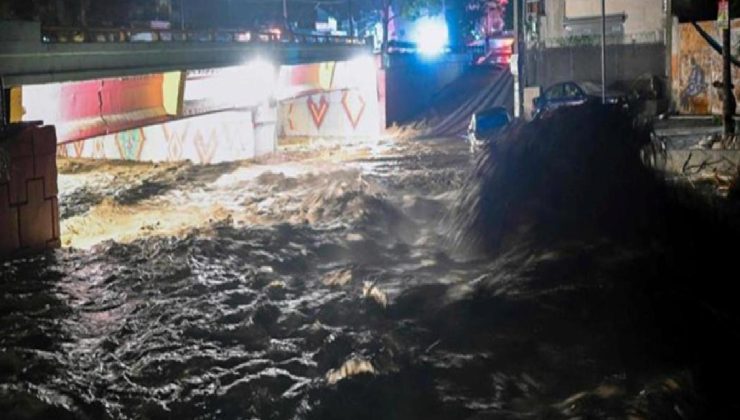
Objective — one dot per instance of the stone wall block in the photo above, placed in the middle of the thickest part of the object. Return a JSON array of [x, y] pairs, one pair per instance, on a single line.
[[29, 212]]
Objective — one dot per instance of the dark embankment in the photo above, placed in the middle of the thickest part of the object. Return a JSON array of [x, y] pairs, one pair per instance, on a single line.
[[632, 264]]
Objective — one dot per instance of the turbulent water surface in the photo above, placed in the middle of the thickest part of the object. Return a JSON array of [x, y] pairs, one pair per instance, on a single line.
[[316, 289]]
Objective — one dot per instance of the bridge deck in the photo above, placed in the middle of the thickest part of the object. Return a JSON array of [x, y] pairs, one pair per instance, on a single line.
[[29, 61]]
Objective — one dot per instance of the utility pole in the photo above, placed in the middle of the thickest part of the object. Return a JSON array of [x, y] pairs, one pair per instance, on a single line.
[[728, 98], [517, 77], [351, 23], [285, 14], [668, 42], [386, 19], [729, 104], [603, 51], [523, 20], [182, 15]]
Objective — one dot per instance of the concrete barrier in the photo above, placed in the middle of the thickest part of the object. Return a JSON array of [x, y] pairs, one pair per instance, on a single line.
[[29, 213], [205, 139], [350, 115], [336, 101]]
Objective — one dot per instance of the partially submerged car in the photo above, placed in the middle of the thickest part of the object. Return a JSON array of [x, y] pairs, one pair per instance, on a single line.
[[486, 124], [575, 93]]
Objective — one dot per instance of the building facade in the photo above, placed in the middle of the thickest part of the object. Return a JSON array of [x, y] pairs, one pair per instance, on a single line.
[[555, 23], [563, 38]]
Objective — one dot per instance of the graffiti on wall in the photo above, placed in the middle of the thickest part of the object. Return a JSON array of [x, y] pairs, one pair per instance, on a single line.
[[697, 67], [206, 146], [695, 86], [130, 143], [354, 105], [318, 111], [343, 113], [206, 139], [334, 100], [175, 140]]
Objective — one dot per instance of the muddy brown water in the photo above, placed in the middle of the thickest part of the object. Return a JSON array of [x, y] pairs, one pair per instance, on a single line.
[[323, 293]]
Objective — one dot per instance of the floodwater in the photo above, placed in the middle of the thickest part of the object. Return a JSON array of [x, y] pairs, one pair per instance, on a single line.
[[318, 288]]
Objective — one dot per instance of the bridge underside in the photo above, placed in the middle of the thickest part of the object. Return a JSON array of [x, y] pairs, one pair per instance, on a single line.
[[203, 102], [23, 63], [25, 59], [208, 116], [205, 116]]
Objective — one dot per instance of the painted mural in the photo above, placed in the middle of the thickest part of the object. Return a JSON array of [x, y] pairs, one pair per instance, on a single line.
[[697, 67], [206, 139], [239, 111], [331, 101], [85, 109], [343, 114]]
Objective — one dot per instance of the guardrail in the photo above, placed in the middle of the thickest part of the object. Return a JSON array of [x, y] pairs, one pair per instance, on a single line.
[[54, 34], [650, 37]]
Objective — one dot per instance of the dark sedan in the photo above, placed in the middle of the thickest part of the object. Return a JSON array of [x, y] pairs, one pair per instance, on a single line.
[[574, 93]]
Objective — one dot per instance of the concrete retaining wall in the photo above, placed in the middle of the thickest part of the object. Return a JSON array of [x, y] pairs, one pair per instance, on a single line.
[[347, 114], [29, 213], [411, 81], [205, 139], [624, 63]]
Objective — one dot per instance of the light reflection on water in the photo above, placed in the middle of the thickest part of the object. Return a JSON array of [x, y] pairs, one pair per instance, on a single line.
[[272, 310]]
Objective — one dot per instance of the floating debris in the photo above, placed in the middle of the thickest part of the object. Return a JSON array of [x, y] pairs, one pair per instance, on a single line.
[[350, 368], [373, 293], [337, 277]]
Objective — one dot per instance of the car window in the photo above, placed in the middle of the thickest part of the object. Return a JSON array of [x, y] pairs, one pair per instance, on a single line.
[[555, 92], [491, 121], [571, 90], [491, 112], [591, 88]]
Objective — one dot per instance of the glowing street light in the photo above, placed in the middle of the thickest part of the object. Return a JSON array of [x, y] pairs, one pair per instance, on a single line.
[[431, 35]]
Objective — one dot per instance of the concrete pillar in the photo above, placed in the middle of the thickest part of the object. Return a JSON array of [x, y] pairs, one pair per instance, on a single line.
[[264, 119], [29, 211]]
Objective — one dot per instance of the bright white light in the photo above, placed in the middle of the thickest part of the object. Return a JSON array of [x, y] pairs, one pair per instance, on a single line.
[[364, 61], [261, 71], [431, 35], [359, 72], [261, 79], [250, 84]]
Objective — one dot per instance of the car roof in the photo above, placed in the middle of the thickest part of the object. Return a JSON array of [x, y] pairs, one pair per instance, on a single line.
[[590, 87], [498, 110]]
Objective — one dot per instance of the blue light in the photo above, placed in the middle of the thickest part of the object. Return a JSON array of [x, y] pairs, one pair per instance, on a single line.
[[431, 35]]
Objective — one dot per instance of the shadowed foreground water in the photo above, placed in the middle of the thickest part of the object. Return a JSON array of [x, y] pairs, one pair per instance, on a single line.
[[333, 295]]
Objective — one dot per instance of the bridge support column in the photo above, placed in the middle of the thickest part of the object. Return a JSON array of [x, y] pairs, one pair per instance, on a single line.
[[29, 212]]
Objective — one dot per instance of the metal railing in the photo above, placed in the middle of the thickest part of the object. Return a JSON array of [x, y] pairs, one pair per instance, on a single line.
[[55, 34], [650, 37]]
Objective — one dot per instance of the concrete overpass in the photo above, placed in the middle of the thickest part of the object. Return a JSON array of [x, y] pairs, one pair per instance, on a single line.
[[30, 54], [207, 97], [204, 96]]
